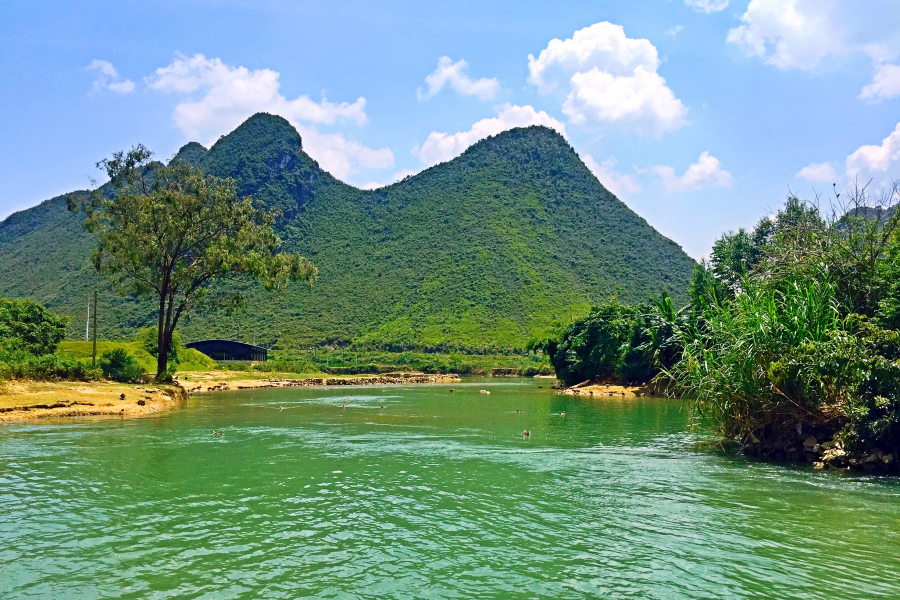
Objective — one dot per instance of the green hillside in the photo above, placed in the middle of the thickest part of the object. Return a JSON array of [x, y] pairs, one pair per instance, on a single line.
[[479, 253]]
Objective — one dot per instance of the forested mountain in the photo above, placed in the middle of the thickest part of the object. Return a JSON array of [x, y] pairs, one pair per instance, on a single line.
[[482, 252]]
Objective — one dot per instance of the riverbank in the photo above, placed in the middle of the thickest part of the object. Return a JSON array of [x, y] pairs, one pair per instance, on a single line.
[[20, 400], [214, 381], [607, 390]]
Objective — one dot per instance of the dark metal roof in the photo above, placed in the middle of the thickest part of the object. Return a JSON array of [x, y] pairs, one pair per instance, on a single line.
[[192, 344]]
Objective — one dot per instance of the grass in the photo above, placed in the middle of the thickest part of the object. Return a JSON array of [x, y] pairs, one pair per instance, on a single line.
[[192, 360]]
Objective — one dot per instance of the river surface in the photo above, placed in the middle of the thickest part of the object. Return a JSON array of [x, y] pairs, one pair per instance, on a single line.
[[322, 493]]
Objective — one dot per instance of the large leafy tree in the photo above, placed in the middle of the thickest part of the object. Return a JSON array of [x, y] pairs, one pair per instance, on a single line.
[[170, 232], [27, 325]]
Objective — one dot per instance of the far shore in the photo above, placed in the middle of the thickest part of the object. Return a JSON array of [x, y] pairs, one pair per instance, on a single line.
[[21, 400], [608, 390]]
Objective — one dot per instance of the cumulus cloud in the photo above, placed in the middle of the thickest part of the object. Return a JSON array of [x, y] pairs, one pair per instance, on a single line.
[[398, 176], [706, 172], [788, 33], [108, 78], [799, 34], [453, 73], [619, 184], [885, 84], [342, 157], [221, 97], [707, 6], [609, 78], [821, 172], [441, 147], [875, 159]]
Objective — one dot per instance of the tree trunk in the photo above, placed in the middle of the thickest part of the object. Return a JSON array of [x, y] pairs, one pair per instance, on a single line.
[[162, 355], [162, 349]]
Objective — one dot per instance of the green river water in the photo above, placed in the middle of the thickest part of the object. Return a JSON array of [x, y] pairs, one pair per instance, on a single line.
[[435, 495]]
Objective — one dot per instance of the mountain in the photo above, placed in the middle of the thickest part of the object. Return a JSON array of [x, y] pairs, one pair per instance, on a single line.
[[479, 253]]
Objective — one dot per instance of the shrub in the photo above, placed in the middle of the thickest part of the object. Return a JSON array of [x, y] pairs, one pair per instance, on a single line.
[[49, 367], [119, 365]]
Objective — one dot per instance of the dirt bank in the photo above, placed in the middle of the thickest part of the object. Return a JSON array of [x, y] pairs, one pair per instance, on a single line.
[[37, 399]]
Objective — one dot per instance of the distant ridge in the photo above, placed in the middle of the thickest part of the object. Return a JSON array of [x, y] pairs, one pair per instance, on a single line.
[[479, 253]]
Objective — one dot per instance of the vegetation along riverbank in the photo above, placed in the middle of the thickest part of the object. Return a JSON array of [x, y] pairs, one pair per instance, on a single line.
[[788, 345]]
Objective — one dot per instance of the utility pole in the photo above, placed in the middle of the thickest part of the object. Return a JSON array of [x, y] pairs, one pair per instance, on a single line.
[[87, 324], [94, 356]]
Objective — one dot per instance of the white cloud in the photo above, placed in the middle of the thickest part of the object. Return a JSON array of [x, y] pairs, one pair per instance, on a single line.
[[108, 78], [642, 100], [441, 147], [885, 84], [821, 172], [620, 185], [799, 34], [707, 6], [612, 79], [221, 97], [453, 73], [706, 172], [870, 159], [788, 33], [673, 31], [399, 175], [342, 157]]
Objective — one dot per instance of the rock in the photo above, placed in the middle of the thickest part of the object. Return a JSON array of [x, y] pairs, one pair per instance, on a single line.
[[818, 465], [810, 441], [827, 445], [869, 459], [141, 403], [887, 459]]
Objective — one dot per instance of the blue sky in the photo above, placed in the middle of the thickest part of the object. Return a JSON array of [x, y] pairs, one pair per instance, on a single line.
[[699, 114]]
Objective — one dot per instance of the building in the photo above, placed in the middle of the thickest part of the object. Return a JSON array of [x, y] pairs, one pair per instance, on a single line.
[[230, 350]]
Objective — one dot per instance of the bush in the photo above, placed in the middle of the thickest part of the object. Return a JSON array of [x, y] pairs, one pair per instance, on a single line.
[[119, 365], [49, 367]]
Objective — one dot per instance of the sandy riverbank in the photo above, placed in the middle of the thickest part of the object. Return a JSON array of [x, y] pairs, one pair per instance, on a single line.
[[603, 390], [40, 399], [21, 400]]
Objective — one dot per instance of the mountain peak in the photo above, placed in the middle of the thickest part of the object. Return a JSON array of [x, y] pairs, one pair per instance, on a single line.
[[191, 153], [264, 130]]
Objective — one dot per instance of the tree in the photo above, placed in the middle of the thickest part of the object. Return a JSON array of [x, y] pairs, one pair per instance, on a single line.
[[27, 325], [170, 232]]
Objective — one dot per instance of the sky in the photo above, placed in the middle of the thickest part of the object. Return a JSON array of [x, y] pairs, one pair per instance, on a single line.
[[701, 115]]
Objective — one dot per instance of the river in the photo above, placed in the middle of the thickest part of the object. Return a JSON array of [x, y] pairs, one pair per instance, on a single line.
[[420, 492]]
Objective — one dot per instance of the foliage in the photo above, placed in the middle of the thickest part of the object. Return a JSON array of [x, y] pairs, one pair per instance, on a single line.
[[27, 326], [46, 367], [806, 332], [617, 342], [148, 339], [472, 256], [360, 360], [119, 365], [170, 232]]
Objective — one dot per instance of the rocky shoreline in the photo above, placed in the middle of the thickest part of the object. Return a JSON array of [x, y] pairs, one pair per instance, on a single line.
[[608, 390], [276, 382], [823, 449]]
